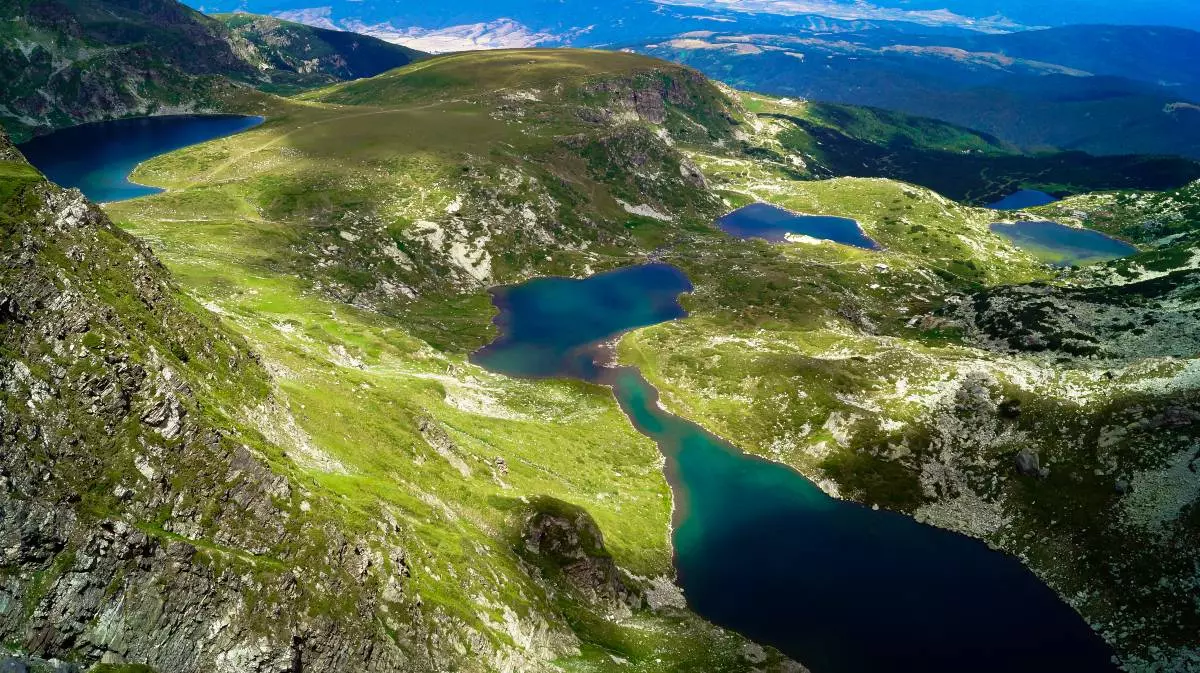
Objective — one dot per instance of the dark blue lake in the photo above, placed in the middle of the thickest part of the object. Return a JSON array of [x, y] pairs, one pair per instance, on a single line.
[[761, 550], [98, 158], [1025, 198], [1061, 245], [549, 327], [773, 224]]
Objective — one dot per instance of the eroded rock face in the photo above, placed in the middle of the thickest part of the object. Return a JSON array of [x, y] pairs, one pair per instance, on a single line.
[[563, 538], [1030, 465], [7, 151], [653, 96]]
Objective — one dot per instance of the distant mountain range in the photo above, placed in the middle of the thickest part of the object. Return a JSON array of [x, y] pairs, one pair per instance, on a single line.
[[979, 13], [620, 17], [474, 24], [1099, 89]]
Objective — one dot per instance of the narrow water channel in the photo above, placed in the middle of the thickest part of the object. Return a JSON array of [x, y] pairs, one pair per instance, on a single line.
[[761, 550]]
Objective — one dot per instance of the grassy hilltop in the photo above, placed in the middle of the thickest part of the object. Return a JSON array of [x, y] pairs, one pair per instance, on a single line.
[[349, 242]]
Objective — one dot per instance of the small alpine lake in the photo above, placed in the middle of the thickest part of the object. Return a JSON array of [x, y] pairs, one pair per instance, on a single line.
[[761, 550], [97, 158], [1061, 245], [1023, 198], [775, 225]]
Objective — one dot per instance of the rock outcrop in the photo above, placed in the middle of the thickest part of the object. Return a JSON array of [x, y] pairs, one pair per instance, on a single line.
[[565, 541]]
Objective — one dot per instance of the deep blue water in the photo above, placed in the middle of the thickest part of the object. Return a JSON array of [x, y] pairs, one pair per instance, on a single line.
[[1025, 198], [549, 326], [98, 158], [761, 550], [773, 224], [1062, 245]]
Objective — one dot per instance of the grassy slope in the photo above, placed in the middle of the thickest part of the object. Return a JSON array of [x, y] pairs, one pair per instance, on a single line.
[[247, 227]]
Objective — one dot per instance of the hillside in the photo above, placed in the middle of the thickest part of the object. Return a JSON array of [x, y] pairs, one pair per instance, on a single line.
[[123, 412], [295, 56], [72, 61], [823, 140], [469, 168]]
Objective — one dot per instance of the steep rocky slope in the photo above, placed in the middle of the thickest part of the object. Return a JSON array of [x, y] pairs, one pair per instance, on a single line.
[[140, 519], [72, 61]]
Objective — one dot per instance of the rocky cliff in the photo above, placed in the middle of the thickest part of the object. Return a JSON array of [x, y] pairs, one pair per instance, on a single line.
[[138, 520]]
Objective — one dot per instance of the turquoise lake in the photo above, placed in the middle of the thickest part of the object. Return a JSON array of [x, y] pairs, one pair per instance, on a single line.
[[1061, 245], [1025, 198], [773, 224], [98, 158], [761, 550]]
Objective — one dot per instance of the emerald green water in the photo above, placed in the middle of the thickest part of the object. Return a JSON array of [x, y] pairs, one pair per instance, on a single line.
[[761, 550]]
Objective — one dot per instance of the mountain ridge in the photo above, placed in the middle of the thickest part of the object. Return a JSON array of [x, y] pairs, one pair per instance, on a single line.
[[1036, 97], [72, 61]]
